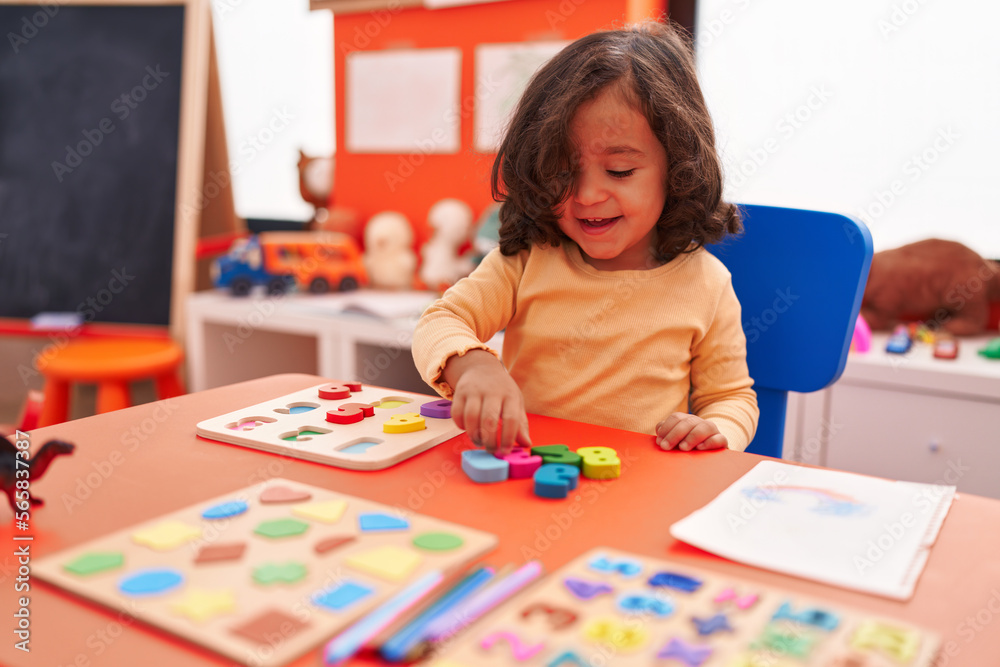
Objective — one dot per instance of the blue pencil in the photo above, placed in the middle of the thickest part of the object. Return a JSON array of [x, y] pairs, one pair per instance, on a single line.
[[483, 601], [350, 641], [398, 647]]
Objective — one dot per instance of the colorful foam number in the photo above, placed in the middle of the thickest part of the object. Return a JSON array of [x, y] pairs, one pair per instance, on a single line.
[[611, 632], [350, 413], [692, 655], [645, 603], [712, 624], [741, 601], [600, 463], [523, 463], [676, 581], [555, 480], [404, 422], [338, 390], [436, 409], [557, 454], [788, 640], [565, 659], [623, 566], [901, 644], [586, 590], [484, 468], [559, 617], [518, 649], [819, 618]]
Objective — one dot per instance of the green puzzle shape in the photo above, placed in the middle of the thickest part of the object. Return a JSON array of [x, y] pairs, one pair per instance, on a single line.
[[276, 528], [279, 573], [92, 563]]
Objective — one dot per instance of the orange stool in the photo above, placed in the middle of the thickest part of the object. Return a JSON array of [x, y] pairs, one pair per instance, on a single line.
[[110, 363]]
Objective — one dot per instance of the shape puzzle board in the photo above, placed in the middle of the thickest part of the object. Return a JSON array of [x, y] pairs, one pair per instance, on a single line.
[[614, 608], [265, 573], [296, 425]]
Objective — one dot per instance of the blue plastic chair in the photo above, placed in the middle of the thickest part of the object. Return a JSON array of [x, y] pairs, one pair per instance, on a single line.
[[799, 276]]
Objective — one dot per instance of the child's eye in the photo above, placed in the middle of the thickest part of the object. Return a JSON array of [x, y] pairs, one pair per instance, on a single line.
[[620, 174]]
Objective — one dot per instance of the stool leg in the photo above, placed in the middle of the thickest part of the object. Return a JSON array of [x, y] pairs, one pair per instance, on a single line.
[[55, 405], [112, 395], [168, 385]]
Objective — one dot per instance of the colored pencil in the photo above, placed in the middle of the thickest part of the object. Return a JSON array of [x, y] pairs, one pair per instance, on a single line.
[[400, 645], [350, 641], [485, 600]]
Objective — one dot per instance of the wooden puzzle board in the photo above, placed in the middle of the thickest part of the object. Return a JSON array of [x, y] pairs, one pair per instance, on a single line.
[[616, 617], [262, 600], [302, 417]]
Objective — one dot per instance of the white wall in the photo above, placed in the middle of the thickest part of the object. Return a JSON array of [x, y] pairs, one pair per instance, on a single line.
[[886, 110], [276, 72]]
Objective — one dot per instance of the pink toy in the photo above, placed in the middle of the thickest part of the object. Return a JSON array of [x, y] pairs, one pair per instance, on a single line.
[[861, 340]]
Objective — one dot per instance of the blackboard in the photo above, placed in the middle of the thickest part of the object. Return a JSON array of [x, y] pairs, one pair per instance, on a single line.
[[90, 110]]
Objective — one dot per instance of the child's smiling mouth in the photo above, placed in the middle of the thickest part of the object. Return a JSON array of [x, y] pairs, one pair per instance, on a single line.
[[597, 225]]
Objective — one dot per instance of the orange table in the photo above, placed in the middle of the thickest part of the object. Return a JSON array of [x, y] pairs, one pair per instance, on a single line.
[[141, 462]]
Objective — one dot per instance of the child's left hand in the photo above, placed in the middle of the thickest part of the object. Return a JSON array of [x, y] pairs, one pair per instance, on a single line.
[[685, 432]]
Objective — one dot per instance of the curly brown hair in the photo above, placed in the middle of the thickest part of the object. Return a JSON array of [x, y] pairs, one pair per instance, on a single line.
[[652, 65]]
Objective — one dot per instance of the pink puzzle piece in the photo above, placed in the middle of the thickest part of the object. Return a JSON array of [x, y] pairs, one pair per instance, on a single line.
[[522, 463]]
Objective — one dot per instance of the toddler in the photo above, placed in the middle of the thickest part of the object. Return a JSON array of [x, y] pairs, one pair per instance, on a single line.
[[614, 312]]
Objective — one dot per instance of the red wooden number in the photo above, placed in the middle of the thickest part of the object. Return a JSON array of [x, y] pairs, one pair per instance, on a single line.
[[350, 413], [337, 390]]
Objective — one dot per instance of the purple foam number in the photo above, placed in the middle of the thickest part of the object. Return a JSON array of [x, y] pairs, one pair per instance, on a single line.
[[692, 655], [585, 590], [436, 409]]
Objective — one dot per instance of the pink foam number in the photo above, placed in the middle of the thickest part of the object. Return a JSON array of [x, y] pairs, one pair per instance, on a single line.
[[436, 409], [350, 413], [338, 390], [744, 602], [522, 463], [520, 651]]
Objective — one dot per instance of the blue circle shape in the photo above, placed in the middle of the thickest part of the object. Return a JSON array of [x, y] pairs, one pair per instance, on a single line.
[[150, 582]]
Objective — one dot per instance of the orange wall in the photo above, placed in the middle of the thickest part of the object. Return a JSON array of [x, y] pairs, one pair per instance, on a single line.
[[360, 181]]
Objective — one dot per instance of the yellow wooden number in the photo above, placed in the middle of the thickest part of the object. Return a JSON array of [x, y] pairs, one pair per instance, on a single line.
[[600, 463], [613, 633], [404, 422]]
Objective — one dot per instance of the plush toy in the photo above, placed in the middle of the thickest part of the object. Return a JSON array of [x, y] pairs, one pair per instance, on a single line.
[[443, 265], [316, 188], [389, 256], [943, 283]]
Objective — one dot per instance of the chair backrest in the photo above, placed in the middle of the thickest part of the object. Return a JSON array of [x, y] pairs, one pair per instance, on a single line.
[[799, 276]]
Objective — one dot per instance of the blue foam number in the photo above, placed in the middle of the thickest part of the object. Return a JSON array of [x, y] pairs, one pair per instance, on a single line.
[[483, 467], [645, 603], [556, 480]]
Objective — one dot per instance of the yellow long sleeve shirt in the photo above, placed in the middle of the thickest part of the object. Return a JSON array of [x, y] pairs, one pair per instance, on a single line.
[[617, 348]]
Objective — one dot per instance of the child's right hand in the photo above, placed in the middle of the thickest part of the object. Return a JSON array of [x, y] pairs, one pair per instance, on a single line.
[[487, 403]]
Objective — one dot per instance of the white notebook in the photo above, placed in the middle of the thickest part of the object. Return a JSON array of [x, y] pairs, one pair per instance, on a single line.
[[864, 533]]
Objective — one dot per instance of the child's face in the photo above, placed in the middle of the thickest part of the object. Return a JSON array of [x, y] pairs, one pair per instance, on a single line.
[[620, 187]]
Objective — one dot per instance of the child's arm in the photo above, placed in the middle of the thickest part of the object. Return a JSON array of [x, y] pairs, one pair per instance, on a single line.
[[723, 404], [488, 403], [450, 354]]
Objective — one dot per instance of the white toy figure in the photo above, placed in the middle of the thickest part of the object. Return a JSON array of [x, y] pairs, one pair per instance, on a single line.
[[451, 222], [389, 257]]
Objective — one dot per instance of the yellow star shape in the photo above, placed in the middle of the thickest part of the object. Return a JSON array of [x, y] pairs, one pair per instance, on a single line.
[[201, 605], [166, 535]]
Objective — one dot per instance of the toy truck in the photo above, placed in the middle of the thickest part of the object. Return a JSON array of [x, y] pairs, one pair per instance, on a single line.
[[313, 261]]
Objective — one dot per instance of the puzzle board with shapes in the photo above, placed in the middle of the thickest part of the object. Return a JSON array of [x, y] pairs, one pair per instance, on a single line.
[[609, 607], [265, 573], [343, 424]]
